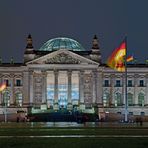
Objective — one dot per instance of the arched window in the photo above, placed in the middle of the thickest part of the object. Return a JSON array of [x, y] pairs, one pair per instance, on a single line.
[[118, 99], [18, 99], [6, 98], [141, 99], [106, 97], [130, 99]]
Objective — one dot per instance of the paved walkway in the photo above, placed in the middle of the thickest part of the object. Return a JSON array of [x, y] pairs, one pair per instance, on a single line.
[[88, 124], [72, 124], [79, 136]]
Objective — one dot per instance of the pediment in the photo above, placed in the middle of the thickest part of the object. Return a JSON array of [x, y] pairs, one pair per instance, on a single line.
[[62, 57]]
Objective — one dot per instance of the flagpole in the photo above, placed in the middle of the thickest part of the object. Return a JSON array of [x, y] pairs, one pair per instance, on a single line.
[[118, 61], [126, 100]]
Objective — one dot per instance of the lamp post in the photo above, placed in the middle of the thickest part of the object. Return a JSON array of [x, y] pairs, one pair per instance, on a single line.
[[5, 107], [2, 88]]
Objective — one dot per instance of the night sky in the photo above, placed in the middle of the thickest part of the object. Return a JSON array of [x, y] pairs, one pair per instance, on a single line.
[[110, 20]]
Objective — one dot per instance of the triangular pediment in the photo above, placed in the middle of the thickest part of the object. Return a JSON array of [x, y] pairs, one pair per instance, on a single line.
[[62, 56]]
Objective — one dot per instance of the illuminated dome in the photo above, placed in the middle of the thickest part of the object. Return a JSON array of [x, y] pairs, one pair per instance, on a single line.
[[62, 43]]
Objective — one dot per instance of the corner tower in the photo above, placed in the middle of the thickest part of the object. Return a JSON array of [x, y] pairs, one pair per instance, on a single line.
[[95, 54], [29, 53]]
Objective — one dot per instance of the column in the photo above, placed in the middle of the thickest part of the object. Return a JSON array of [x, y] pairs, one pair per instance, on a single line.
[[112, 83], [44, 87], [12, 99], [94, 89], [99, 100], [69, 105], [123, 88], [146, 91], [0, 98], [56, 86], [81, 87], [69, 86], [135, 101], [31, 87], [0, 92], [25, 82]]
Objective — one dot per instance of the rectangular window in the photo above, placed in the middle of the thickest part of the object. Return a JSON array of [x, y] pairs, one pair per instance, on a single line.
[[142, 113], [7, 82], [118, 83], [18, 82], [106, 83], [119, 113], [130, 113], [129, 83], [141, 83]]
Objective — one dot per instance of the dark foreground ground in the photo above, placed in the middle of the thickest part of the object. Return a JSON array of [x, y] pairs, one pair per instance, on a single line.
[[37, 135], [74, 143]]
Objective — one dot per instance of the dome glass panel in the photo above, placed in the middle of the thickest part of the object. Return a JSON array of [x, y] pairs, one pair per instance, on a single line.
[[62, 43]]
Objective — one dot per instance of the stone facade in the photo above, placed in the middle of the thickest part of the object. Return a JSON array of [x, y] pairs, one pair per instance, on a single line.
[[65, 78]]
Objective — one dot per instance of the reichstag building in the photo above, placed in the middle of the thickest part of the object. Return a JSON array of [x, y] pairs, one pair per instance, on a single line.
[[63, 74]]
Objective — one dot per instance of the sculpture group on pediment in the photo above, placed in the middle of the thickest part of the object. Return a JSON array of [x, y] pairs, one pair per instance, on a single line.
[[62, 59]]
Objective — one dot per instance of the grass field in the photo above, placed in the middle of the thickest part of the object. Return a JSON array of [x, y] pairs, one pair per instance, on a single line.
[[103, 137], [74, 143]]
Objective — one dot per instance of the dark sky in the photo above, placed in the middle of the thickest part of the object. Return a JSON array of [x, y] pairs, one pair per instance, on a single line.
[[110, 20]]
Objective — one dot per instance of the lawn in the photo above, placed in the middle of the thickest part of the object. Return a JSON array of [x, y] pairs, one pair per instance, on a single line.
[[17, 130], [74, 143]]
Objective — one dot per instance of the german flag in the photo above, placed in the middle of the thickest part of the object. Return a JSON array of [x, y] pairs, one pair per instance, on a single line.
[[116, 60], [130, 58]]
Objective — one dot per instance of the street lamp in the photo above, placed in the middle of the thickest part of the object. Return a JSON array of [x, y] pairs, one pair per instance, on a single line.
[[5, 106], [2, 88]]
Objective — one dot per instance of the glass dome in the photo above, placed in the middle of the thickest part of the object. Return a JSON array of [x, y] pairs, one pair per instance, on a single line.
[[62, 43]]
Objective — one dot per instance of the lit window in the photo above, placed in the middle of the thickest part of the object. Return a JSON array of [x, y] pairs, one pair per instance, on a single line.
[[6, 98], [75, 89], [50, 90], [106, 97], [19, 99], [62, 90], [118, 99], [130, 99], [141, 99]]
